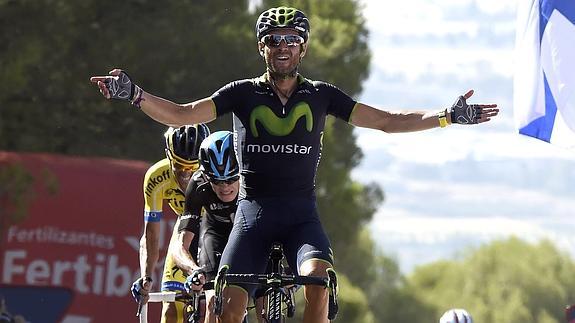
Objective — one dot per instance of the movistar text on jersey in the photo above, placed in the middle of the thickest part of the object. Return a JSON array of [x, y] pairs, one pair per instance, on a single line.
[[279, 149]]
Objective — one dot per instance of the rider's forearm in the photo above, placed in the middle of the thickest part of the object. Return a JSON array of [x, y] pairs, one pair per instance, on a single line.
[[162, 110], [182, 258], [395, 121], [149, 254], [172, 114], [412, 121]]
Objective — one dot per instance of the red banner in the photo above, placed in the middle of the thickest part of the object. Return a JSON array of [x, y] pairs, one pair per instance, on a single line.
[[74, 223]]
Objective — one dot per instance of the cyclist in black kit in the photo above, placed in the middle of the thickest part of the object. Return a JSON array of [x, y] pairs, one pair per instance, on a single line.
[[279, 120], [214, 187]]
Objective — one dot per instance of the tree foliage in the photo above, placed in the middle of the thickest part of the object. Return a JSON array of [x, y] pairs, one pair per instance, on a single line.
[[48, 103], [506, 281], [15, 195]]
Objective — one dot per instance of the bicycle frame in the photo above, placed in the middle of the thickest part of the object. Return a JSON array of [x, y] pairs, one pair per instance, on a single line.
[[275, 282]]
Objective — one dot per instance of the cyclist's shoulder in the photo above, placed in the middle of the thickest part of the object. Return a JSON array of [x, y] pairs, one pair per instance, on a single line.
[[199, 184], [317, 84], [159, 172], [159, 167], [244, 84]]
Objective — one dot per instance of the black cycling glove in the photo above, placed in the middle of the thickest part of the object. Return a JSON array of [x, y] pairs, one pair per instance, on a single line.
[[194, 279], [121, 87], [464, 113]]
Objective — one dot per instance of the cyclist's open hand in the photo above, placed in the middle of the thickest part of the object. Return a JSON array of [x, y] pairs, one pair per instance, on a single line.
[[141, 288], [118, 85], [464, 113], [195, 281]]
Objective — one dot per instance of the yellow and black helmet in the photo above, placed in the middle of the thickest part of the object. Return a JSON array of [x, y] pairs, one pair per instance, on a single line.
[[183, 143]]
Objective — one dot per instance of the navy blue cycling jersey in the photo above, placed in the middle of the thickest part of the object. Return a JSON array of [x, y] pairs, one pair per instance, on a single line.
[[279, 146], [219, 215]]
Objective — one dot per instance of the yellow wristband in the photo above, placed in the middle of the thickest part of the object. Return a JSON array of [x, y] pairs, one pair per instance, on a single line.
[[442, 119]]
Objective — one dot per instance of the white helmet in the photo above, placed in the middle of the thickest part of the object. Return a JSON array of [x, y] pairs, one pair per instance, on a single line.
[[456, 315]]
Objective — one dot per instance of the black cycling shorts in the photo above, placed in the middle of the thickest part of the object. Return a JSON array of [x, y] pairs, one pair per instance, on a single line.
[[259, 222], [214, 240]]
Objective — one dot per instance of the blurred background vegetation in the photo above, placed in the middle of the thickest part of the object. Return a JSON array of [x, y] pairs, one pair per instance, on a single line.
[[184, 50]]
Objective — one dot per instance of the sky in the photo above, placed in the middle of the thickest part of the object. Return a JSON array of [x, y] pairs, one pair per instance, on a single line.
[[448, 190]]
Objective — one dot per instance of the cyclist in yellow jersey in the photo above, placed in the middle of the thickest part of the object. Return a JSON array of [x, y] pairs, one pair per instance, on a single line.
[[166, 181]]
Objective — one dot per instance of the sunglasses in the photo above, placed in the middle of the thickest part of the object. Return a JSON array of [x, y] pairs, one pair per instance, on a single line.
[[182, 168], [228, 181], [275, 40], [191, 167]]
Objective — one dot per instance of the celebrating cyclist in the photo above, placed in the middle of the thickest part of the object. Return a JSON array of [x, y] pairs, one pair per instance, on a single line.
[[166, 181], [279, 120], [215, 189]]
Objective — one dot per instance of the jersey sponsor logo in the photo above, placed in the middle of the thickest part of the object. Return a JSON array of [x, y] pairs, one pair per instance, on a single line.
[[175, 198], [155, 181], [177, 202], [284, 149], [277, 126], [174, 191], [218, 206]]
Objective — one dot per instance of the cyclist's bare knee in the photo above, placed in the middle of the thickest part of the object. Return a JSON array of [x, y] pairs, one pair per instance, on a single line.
[[316, 296], [235, 301], [314, 267]]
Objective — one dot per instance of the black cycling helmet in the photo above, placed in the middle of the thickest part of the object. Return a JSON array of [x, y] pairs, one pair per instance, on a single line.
[[217, 156], [183, 143], [282, 17]]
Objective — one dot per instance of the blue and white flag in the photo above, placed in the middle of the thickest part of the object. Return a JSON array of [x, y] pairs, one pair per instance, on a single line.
[[544, 82]]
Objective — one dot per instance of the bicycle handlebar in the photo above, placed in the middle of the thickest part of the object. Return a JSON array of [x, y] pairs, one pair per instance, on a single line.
[[278, 280], [163, 297]]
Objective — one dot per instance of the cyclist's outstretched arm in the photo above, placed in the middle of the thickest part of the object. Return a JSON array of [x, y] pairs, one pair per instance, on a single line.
[[175, 115], [366, 116], [118, 85]]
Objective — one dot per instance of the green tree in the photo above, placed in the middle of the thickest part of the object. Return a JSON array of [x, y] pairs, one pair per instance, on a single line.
[[15, 195], [53, 47], [505, 281]]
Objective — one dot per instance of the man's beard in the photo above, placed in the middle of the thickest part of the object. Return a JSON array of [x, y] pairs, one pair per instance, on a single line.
[[276, 75]]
